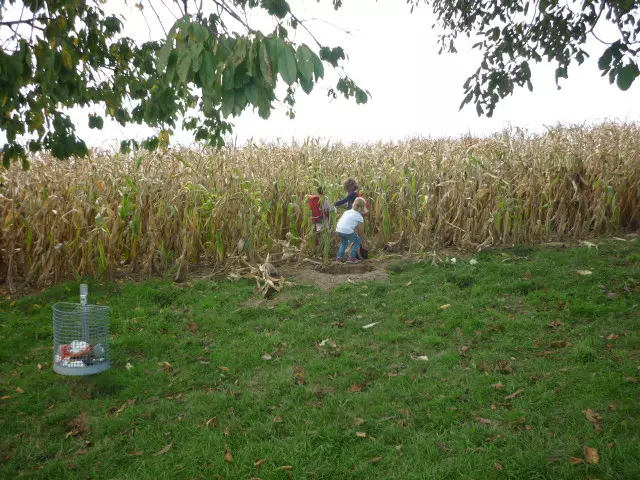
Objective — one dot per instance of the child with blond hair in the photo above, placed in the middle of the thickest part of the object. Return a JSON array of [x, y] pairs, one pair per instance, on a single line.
[[350, 229]]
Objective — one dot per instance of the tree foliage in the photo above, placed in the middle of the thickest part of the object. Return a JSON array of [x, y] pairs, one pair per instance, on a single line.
[[514, 33], [59, 54]]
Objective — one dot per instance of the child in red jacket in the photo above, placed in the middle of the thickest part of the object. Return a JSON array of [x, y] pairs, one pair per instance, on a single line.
[[321, 210]]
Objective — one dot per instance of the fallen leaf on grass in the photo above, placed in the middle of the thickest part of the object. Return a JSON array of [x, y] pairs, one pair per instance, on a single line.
[[560, 344], [486, 421], [515, 394], [260, 463], [555, 324], [212, 421], [298, 375], [328, 341], [497, 386], [423, 358], [39, 367], [632, 379], [139, 453], [375, 460], [193, 327], [360, 421], [444, 307], [584, 272], [227, 432], [124, 406], [591, 455], [594, 417], [409, 284], [355, 388], [167, 367], [503, 366], [266, 356], [228, 456], [128, 366], [19, 390], [361, 434], [576, 461], [223, 369], [164, 450], [285, 467], [484, 366], [278, 419], [6, 397], [498, 466], [547, 353], [370, 325], [613, 336]]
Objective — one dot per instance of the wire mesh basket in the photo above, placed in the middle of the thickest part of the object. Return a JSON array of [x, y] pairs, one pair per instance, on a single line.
[[80, 337]]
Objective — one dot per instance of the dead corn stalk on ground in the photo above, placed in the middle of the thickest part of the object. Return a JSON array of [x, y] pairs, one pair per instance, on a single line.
[[173, 210]]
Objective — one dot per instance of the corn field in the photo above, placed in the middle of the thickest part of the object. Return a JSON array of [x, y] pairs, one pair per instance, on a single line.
[[174, 210]]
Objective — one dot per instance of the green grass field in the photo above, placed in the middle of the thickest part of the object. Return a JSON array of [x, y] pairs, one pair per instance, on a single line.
[[530, 363]]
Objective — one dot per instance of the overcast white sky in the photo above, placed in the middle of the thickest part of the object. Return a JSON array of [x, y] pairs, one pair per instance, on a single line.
[[415, 91]]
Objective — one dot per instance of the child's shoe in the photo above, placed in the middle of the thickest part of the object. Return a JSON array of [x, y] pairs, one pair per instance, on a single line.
[[339, 260], [353, 260]]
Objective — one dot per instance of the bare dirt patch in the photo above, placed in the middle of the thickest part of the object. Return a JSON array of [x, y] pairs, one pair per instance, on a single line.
[[330, 276]]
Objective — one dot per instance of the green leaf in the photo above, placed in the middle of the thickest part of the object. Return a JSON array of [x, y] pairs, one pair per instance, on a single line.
[[307, 85], [251, 91], [304, 56], [251, 56], [318, 68], [228, 101], [163, 55], [207, 71], [265, 64], [239, 52], [184, 66], [276, 45], [196, 56], [96, 121], [604, 62], [626, 76], [171, 69], [287, 65], [67, 59]]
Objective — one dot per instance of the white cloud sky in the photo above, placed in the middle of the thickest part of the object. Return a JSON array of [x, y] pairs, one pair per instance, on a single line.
[[415, 91]]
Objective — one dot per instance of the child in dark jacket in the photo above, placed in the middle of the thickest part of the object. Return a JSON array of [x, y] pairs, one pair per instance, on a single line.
[[351, 187]]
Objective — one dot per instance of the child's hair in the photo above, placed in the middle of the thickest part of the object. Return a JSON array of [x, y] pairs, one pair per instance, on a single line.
[[359, 205], [320, 191], [350, 185]]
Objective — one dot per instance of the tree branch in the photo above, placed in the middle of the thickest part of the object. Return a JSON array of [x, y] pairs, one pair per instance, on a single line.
[[158, 17], [223, 5], [305, 27]]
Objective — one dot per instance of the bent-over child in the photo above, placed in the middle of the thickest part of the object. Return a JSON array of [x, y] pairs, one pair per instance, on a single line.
[[350, 229]]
